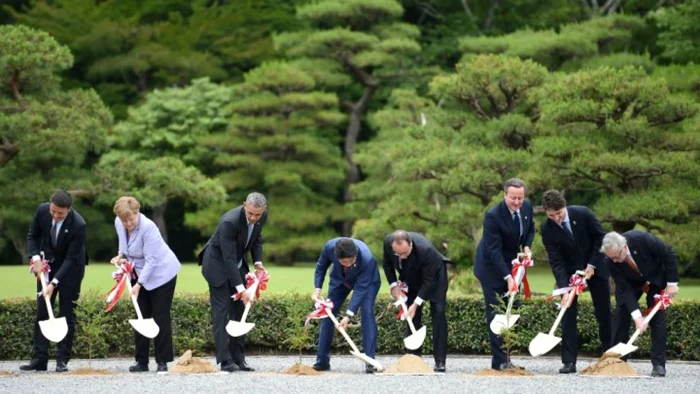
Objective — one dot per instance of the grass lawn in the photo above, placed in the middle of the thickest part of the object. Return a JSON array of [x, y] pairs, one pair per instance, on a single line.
[[17, 282]]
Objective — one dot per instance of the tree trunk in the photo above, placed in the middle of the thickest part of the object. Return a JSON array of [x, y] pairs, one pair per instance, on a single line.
[[20, 245], [159, 219]]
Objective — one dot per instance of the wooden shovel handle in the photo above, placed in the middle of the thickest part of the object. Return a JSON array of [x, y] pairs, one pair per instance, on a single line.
[[408, 318], [49, 308], [647, 319]]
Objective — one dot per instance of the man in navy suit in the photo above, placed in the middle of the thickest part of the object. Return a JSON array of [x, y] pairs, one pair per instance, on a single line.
[[353, 268], [508, 227], [641, 263], [572, 236]]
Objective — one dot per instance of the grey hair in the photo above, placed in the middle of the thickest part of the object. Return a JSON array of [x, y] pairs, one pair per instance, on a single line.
[[256, 199], [514, 182], [612, 241], [401, 235]]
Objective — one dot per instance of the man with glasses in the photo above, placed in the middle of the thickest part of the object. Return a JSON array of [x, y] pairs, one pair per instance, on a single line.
[[353, 269], [224, 266], [422, 268], [642, 263]]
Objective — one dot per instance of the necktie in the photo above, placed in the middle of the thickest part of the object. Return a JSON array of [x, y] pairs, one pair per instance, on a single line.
[[632, 265], [250, 232], [345, 270], [53, 233], [516, 224], [567, 229]]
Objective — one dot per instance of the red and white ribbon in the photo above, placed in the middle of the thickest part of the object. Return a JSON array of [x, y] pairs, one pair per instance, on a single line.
[[320, 311], [521, 277], [662, 298], [576, 282], [404, 297], [121, 275], [261, 277]]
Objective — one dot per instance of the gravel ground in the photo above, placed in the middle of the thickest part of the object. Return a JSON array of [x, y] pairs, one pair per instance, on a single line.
[[348, 375]]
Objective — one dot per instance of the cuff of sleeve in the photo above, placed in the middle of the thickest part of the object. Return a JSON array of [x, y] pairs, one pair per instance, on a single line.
[[591, 266], [507, 276], [36, 258], [672, 284], [257, 263], [55, 282], [240, 288], [636, 314], [350, 313], [393, 284], [318, 289], [418, 301]]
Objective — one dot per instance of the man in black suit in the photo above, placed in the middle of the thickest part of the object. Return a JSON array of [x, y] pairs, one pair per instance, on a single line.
[[224, 266], [572, 236], [642, 263], [423, 269], [508, 227], [59, 232]]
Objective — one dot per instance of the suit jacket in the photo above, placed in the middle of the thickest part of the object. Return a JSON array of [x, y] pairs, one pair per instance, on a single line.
[[154, 262], [500, 245], [567, 255], [421, 271], [67, 257], [227, 246], [362, 277], [655, 260]]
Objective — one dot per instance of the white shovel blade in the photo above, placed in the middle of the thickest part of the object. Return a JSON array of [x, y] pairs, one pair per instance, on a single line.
[[500, 323], [146, 327], [622, 349], [542, 344], [415, 340], [237, 329], [368, 360], [54, 329]]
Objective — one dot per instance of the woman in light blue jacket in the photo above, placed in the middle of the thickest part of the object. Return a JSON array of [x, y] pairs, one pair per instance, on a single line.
[[156, 268]]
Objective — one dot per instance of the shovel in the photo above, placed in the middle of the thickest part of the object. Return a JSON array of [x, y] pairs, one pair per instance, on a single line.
[[502, 322], [415, 340], [355, 351], [146, 327], [624, 349], [240, 328], [53, 329]]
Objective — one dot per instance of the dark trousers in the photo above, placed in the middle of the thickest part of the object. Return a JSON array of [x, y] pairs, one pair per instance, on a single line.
[[600, 293], [438, 305], [621, 328], [223, 309], [157, 304], [67, 299], [494, 297], [369, 324]]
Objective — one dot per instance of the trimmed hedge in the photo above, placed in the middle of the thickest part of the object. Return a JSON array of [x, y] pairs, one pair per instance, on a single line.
[[277, 316]]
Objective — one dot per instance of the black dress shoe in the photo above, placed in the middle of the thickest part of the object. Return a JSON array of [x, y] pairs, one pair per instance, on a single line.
[[139, 367], [228, 366], [368, 369], [439, 367], [61, 366], [658, 371], [34, 365], [162, 367], [507, 365], [325, 367], [568, 368], [243, 366]]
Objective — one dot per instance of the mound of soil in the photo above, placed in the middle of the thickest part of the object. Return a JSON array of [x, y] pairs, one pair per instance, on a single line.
[[610, 365], [410, 364], [301, 370], [86, 371], [188, 364]]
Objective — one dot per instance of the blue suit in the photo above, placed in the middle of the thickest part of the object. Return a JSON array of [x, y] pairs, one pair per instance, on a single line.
[[363, 278], [499, 246]]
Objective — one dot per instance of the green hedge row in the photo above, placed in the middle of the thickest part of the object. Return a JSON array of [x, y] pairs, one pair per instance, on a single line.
[[279, 327]]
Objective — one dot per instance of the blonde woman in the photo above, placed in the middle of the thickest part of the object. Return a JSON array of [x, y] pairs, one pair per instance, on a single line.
[[156, 268]]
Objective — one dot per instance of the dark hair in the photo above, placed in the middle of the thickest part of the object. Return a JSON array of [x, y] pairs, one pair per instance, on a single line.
[[513, 182], [62, 198], [345, 248], [401, 235], [553, 200]]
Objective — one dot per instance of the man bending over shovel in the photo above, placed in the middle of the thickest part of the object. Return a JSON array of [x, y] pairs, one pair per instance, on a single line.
[[353, 269], [422, 268], [642, 264], [59, 231]]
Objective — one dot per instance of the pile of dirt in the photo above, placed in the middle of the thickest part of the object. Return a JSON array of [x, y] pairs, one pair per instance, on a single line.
[[610, 364], [301, 370], [512, 372], [409, 364], [86, 371], [6, 373], [188, 364]]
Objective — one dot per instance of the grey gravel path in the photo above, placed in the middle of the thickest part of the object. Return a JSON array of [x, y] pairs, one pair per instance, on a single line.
[[348, 376]]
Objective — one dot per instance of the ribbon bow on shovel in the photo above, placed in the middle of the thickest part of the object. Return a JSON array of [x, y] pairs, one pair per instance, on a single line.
[[415, 340], [123, 275], [254, 283]]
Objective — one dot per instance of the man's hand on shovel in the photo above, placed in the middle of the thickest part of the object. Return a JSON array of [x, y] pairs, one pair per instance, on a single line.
[[48, 290], [246, 297], [672, 290], [512, 287], [411, 312], [396, 292], [589, 271], [640, 324], [344, 323]]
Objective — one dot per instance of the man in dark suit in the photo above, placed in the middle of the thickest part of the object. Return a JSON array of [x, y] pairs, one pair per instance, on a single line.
[[572, 236], [354, 269], [641, 263], [59, 232], [224, 266], [508, 227], [422, 267]]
